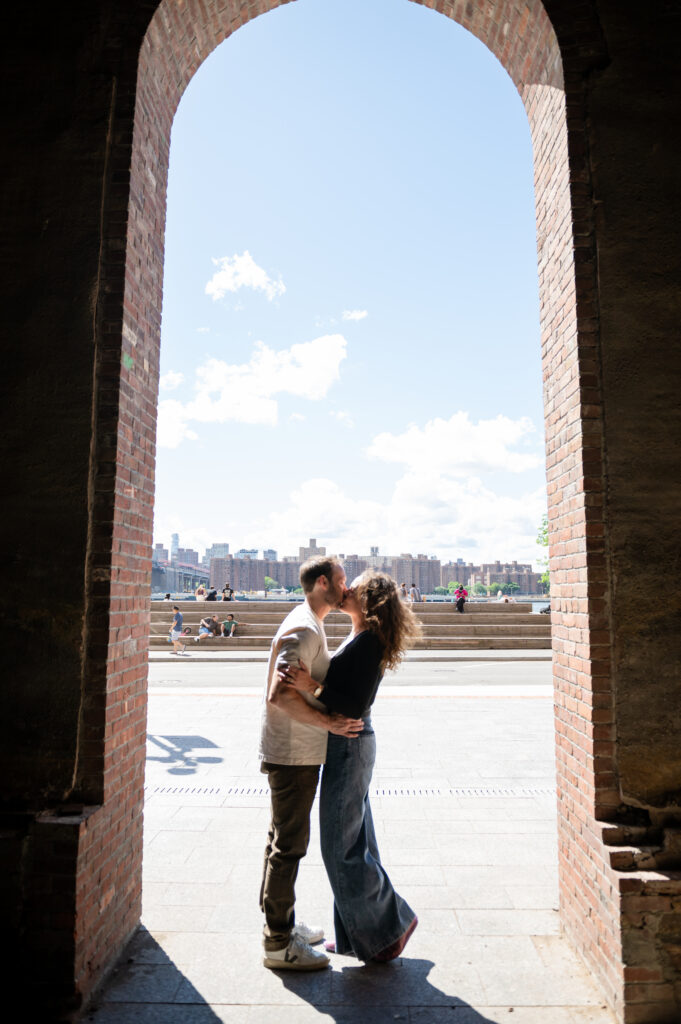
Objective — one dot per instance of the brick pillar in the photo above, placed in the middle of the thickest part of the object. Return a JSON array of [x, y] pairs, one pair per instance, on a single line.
[[77, 540], [616, 643]]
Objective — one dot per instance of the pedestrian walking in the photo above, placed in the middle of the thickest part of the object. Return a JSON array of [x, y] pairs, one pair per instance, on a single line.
[[176, 631]]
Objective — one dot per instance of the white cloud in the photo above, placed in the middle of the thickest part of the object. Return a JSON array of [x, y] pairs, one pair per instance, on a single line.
[[170, 381], [297, 417], [355, 314], [459, 447], [438, 505], [246, 392], [242, 272], [343, 417], [319, 508], [171, 429], [464, 518], [453, 519], [203, 330]]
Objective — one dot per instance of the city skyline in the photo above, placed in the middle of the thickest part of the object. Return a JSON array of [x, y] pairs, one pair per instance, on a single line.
[[265, 553], [246, 573]]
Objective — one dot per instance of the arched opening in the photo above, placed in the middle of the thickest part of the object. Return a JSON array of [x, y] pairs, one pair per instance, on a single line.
[[177, 41], [262, 54]]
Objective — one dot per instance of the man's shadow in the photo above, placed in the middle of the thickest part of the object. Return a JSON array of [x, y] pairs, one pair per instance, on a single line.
[[385, 993]]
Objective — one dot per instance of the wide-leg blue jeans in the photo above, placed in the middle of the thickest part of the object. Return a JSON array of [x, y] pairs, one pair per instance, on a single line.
[[368, 914]]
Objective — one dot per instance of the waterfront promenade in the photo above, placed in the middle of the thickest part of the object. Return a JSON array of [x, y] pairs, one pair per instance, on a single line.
[[464, 802]]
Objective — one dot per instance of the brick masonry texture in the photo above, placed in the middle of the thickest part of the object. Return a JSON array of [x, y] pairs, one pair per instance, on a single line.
[[86, 170]]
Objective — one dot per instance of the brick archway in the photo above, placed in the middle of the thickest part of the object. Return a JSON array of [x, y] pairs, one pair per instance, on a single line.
[[180, 35]]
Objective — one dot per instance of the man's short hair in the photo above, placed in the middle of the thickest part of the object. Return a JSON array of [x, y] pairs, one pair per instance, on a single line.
[[313, 568]]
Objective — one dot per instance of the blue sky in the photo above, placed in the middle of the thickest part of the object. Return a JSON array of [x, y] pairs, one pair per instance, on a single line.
[[350, 340]]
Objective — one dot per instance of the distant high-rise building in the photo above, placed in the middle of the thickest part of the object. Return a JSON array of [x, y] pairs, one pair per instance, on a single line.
[[246, 553], [511, 572], [353, 566], [422, 570], [188, 556], [312, 551], [381, 563], [245, 574], [457, 572], [174, 546], [269, 554], [491, 574], [287, 572], [215, 551], [159, 554]]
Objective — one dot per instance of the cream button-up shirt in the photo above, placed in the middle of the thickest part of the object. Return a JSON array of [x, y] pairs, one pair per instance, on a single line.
[[300, 637]]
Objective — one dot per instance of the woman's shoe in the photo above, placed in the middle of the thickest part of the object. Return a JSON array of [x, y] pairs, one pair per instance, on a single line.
[[393, 951]]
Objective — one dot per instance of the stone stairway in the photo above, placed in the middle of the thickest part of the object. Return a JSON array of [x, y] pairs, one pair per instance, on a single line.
[[483, 626]]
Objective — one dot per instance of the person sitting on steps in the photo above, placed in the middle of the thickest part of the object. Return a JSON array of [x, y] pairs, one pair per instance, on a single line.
[[208, 627], [229, 626]]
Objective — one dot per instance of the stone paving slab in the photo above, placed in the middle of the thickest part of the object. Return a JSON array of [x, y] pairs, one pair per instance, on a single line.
[[465, 818]]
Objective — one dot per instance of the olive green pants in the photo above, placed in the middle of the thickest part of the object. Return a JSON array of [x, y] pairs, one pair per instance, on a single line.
[[292, 793]]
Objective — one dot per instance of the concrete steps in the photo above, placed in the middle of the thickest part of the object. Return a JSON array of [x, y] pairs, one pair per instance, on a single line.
[[268, 629], [483, 626]]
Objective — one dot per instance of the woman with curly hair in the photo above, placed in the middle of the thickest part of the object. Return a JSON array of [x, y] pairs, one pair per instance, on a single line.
[[371, 920]]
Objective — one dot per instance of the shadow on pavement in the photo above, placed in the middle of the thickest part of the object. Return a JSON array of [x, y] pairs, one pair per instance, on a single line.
[[143, 987], [385, 993], [179, 757]]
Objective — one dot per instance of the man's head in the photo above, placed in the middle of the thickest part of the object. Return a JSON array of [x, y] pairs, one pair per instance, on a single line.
[[230, 618], [175, 608], [324, 579]]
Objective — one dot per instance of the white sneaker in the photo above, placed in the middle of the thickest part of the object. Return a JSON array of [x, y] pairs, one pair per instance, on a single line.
[[297, 956], [308, 933]]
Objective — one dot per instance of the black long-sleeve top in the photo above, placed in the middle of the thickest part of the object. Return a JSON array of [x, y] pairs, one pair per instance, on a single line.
[[354, 675]]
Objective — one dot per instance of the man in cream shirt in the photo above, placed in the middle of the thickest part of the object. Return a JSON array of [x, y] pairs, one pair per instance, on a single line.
[[292, 748]]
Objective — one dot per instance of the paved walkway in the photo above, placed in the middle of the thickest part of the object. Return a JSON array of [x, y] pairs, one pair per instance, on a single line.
[[464, 807], [246, 654]]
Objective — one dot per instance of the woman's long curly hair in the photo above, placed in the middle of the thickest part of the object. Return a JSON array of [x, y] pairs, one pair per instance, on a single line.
[[387, 614]]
